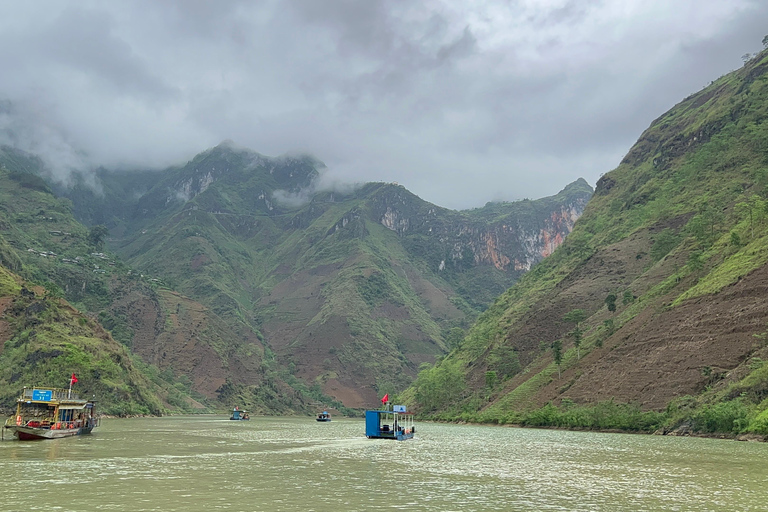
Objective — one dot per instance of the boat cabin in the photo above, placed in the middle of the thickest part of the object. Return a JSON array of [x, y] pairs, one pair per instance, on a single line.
[[396, 424], [51, 413]]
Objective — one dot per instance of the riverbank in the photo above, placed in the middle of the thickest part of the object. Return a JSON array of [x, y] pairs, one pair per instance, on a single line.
[[725, 420]]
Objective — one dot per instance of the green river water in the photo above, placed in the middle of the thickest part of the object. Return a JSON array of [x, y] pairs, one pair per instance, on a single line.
[[297, 464]]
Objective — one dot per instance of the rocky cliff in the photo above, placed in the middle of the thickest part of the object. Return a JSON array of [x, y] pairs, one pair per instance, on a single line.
[[650, 308], [260, 274]]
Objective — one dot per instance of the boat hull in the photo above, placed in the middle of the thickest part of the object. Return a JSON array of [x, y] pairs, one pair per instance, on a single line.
[[37, 434], [396, 436]]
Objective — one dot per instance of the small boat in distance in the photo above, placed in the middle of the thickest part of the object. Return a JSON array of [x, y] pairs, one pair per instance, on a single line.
[[323, 416], [237, 414], [396, 424], [51, 413]]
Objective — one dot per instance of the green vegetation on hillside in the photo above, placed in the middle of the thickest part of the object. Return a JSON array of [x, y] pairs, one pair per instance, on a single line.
[[681, 220], [49, 341]]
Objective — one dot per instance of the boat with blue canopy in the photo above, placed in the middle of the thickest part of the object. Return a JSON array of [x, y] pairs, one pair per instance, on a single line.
[[397, 424], [239, 415]]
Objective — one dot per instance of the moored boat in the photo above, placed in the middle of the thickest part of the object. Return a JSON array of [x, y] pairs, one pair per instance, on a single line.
[[239, 415], [323, 416], [397, 424], [51, 413]]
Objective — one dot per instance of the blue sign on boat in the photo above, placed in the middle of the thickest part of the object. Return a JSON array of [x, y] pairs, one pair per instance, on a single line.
[[398, 408], [42, 395]]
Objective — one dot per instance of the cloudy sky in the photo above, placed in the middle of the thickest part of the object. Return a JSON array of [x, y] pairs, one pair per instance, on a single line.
[[463, 102]]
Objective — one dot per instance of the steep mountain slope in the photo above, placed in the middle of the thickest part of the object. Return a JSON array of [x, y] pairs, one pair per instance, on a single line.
[[662, 282], [184, 341], [352, 289], [43, 340]]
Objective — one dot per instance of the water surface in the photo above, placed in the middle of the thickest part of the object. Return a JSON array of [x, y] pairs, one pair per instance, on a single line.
[[298, 464]]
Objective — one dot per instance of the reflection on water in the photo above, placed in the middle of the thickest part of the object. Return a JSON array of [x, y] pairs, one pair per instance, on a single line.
[[287, 464]]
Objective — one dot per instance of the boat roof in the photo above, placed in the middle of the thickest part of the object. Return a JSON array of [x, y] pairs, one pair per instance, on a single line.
[[65, 398]]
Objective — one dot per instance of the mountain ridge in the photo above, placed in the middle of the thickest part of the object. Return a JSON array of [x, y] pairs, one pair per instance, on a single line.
[[648, 310], [349, 289]]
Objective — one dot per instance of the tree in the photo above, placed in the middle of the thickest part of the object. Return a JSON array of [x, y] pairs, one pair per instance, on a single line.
[[761, 181], [610, 328], [695, 261], [735, 240], [704, 225], [663, 244], [557, 354], [628, 297], [437, 386], [576, 316], [754, 209], [610, 301], [765, 42], [504, 361], [577, 335], [454, 337], [490, 379], [53, 290], [97, 234]]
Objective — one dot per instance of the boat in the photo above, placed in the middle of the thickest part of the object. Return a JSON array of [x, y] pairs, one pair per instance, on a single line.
[[397, 424], [239, 415], [323, 416], [51, 413]]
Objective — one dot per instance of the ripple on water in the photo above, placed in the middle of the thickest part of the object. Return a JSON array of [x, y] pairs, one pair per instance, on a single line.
[[298, 464]]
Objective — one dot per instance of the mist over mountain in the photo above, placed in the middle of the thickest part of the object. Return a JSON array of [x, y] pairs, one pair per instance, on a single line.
[[270, 277]]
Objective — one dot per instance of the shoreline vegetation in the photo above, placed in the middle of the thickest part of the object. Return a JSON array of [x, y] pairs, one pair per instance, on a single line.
[[736, 419]]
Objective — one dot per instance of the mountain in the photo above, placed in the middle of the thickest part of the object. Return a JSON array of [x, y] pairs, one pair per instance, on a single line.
[[179, 341], [661, 285], [43, 340], [348, 291]]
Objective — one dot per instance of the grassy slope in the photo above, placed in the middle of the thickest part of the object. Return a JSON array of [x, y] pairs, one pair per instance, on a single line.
[[231, 247], [45, 340], [230, 252], [692, 191], [31, 217]]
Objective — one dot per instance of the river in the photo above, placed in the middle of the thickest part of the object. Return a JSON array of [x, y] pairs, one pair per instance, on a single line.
[[296, 464]]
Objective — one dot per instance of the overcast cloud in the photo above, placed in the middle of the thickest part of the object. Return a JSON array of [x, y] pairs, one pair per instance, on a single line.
[[461, 102]]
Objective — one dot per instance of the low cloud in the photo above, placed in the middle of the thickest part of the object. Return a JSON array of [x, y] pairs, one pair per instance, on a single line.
[[462, 103], [323, 183]]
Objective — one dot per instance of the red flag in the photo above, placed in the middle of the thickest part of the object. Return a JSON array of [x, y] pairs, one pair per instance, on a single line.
[[385, 399], [73, 380]]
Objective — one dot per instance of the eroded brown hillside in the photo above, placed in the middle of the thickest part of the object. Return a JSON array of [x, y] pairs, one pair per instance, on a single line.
[[178, 334], [662, 353]]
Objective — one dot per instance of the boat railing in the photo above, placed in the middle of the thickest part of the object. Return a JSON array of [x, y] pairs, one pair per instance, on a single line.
[[56, 393]]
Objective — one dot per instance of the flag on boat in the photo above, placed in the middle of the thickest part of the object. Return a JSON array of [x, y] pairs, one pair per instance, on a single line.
[[385, 399], [73, 380]]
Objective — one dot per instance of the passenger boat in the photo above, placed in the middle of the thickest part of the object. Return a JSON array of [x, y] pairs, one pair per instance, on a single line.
[[396, 424], [51, 413], [323, 416], [237, 414]]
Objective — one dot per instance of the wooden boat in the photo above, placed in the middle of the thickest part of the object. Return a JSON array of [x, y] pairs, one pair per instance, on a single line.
[[51, 413], [396, 424], [323, 416], [239, 415]]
